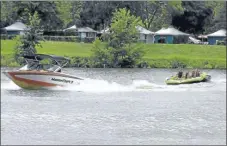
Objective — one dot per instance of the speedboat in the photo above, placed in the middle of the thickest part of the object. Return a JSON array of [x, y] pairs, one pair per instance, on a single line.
[[174, 80], [38, 74]]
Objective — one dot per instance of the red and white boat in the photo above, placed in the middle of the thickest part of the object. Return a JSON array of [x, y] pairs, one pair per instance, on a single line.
[[35, 75]]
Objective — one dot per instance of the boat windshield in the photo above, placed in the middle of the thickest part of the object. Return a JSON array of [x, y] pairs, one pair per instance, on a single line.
[[41, 67], [42, 62]]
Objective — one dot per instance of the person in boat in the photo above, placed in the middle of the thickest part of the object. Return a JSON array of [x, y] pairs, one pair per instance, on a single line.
[[32, 66], [197, 73], [59, 70], [193, 74], [187, 75], [180, 74]]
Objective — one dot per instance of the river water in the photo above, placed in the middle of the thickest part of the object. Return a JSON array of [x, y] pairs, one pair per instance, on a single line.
[[117, 106]]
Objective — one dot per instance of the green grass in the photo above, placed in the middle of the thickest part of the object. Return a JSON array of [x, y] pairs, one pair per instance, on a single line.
[[157, 55], [185, 50], [56, 48], [194, 56]]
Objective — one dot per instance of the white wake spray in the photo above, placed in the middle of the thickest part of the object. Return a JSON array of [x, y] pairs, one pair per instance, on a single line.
[[100, 86]]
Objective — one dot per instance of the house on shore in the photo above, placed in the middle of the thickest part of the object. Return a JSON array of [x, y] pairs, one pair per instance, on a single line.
[[16, 28], [84, 34], [219, 35], [87, 33], [145, 35], [171, 35]]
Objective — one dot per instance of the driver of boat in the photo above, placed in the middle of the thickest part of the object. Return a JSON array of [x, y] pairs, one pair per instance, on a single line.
[[32, 66], [40, 67]]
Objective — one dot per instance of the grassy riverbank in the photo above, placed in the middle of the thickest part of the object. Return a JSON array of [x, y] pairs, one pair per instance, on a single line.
[[157, 55]]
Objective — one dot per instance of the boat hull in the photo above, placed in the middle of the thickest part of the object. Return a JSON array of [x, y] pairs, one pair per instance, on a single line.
[[203, 78], [41, 80]]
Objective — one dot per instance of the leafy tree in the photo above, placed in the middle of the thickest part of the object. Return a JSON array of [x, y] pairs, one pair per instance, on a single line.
[[217, 20], [28, 42], [8, 13], [215, 6], [101, 54], [123, 35], [194, 17], [120, 50], [123, 28], [97, 15], [188, 16], [46, 11], [69, 11], [220, 18], [156, 14]]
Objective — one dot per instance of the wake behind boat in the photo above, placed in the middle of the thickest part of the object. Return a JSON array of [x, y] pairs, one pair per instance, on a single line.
[[196, 77], [35, 75]]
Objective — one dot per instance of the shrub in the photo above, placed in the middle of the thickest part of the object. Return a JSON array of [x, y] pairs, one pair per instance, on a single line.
[[218, 42], [7, 37], [143, 64], [178, 64], [84, 62]]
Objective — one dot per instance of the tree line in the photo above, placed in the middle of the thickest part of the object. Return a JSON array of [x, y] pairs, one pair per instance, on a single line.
[[193, 17]]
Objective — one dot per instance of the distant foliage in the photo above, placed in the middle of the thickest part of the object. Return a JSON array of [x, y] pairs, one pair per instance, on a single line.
[[68, 11], [20, 10], [101, 54], [123, 28], [156, 14], [189, 16], [178, 64], [120, 50], [27, 43], [221, 42], [8, 13], [218, 18]]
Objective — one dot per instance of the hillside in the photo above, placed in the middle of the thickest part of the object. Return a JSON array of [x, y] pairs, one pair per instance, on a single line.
[[157, 55]]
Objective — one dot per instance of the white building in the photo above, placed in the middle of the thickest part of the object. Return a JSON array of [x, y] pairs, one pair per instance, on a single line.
[[15, 28], [146, 36]]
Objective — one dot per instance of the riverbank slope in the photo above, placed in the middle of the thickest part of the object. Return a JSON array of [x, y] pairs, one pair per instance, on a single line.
[[156, 56]]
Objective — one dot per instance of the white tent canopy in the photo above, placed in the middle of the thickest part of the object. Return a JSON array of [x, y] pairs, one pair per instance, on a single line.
[[71, 28], [194, 40], [143, 30], [17, 26], [202, 36], [80, 29], [106, 30], [170, 31], [219, 33], [139, 28], [86, 29]]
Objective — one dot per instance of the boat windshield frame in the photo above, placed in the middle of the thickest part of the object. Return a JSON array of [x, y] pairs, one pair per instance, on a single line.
[[33, 62]]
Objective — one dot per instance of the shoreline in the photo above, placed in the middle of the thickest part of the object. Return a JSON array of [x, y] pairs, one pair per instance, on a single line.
[[86, 62], [13, 65], [166, 56]]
